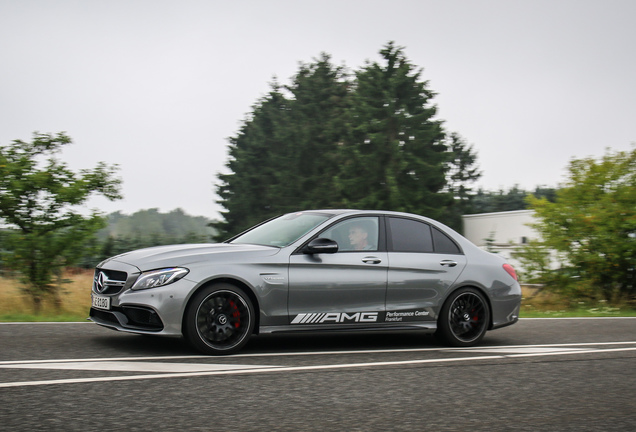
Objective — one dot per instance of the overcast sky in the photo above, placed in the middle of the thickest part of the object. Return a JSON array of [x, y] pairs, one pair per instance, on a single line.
[[157, 86]]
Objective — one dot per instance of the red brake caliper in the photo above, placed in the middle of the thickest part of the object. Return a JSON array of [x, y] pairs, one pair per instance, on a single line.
[[235, 314]]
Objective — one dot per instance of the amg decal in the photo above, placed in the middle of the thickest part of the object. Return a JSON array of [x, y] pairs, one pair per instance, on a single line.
[[335, 317]]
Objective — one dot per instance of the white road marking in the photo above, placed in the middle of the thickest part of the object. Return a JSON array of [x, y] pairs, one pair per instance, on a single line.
[[414, 350], [133, 366], [508, 348], [15, 362], [242, 371], [519, 350], [222, 369], [589, 351], [503, 348]]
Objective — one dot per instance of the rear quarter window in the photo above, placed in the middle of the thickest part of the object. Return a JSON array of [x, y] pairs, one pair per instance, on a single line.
[[444, 244]]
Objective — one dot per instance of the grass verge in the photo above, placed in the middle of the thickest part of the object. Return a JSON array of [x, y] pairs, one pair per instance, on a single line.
[[537, 303], [74, 300]]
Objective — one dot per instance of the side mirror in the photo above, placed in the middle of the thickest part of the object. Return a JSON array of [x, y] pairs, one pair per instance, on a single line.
[[321, 245]]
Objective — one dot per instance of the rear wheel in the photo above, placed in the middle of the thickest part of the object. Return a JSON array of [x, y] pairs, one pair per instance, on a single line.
[[464, 318], [219, 319]]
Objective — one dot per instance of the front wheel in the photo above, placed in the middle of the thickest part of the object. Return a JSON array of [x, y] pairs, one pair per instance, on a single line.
[[219, 320], [464, 318]]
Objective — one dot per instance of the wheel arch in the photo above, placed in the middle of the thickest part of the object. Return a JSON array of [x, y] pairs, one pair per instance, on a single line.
[[245, 288]]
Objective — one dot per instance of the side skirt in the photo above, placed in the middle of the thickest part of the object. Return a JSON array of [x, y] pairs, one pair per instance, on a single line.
[[429, 327]]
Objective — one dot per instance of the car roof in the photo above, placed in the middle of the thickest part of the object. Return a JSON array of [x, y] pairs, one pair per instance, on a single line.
[[337, 212]]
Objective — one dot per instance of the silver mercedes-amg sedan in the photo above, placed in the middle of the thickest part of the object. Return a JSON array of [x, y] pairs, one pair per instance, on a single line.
[[320, 270]]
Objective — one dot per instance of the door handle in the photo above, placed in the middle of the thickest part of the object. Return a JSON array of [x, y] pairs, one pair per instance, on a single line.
[[371, 260], [448, 263]]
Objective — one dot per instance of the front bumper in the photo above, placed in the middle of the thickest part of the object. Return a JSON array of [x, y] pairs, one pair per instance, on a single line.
[[149, 311], [128, 318]]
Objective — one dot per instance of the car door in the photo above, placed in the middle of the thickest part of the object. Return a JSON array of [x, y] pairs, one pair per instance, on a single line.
[[423, 264], [346, 287]]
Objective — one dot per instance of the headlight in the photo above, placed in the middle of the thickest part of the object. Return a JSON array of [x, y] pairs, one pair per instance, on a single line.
[[161, 277]]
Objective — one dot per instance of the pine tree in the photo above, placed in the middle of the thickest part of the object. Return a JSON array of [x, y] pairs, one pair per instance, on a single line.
[[461, 172], [318, 123], [396, 157], [286, 155], [259, 159]]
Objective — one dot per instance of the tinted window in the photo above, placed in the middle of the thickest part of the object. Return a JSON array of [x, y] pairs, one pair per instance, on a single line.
[[410, 236], [443, 243]]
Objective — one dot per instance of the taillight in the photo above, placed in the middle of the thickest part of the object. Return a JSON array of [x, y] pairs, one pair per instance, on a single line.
[[511, 271]]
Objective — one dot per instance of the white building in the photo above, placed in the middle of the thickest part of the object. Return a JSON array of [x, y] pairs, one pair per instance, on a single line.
[[501, 232]]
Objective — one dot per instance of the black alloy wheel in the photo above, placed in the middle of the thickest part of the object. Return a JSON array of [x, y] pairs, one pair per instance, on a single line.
[[219, 319], [464, 318]]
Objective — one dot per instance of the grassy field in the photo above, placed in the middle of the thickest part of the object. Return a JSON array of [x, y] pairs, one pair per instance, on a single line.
[[76, 299], [538, 303]]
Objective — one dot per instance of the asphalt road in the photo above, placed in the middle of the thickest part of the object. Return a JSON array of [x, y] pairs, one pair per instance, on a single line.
[[556, 375]]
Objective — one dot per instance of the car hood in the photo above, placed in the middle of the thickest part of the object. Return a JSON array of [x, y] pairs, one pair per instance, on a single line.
[[183, 255]]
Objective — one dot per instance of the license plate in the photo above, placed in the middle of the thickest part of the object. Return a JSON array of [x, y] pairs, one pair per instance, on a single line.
[[100, 302]]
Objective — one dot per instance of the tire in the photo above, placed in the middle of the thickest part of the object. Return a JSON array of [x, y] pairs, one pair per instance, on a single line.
[[464, 318], [219, 319]]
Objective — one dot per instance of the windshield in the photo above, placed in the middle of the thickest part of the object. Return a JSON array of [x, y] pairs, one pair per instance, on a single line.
[[283, 230]]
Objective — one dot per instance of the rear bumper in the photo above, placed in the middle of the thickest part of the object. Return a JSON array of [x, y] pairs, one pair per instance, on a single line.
[[506, 324], [506, 306]]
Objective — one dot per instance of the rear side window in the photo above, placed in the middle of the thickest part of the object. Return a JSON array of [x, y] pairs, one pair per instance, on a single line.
[[443, 243], [410, 236]]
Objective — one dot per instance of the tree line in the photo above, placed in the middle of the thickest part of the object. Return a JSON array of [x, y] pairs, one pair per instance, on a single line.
[[145, 228]]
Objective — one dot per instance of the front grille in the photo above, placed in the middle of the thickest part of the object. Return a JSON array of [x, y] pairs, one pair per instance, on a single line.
[[108, 281]]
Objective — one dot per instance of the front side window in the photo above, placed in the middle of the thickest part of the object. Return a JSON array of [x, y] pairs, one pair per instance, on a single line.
[[356, 234]]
